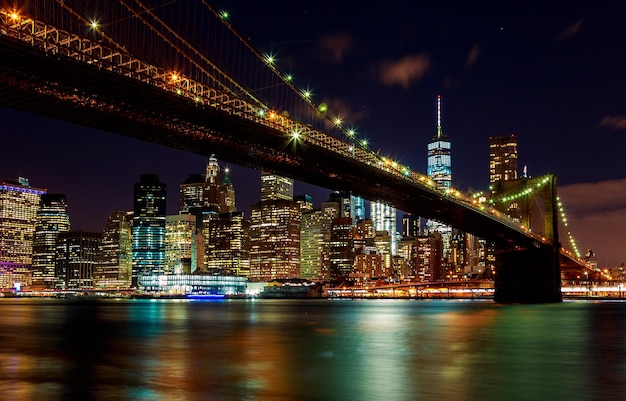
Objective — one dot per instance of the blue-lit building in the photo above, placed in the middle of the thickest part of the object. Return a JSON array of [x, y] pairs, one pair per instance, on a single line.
[[148, 232], [439, 161], [440, 171], [193, 284]]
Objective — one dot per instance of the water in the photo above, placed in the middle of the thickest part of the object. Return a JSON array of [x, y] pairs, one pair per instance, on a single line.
[[279, 350]]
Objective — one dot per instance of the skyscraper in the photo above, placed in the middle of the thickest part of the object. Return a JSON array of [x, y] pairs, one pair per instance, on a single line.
[[114, 267], [341, 247], [180, 244], [440, 171], [77, 253], [19, 203], [275, 231], [275, 187], [314, 244], [228, 245], [384, 217], [52, 219], [148, 227], [502, 158], [439, 162]]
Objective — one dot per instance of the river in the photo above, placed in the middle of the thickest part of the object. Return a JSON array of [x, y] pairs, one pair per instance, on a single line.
[[284, 350]]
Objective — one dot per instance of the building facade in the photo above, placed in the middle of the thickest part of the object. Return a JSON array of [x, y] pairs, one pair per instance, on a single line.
[[114, 267], [148, 232], [52, 219], [77, 253], [229, 245], [19, 203]]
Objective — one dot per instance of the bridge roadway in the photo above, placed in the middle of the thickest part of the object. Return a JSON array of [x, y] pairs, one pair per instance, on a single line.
[[60, 75]]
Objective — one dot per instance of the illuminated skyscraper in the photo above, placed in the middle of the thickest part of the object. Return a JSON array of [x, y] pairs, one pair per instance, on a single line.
[[52, 219], [384, 217], [148, 227], [502, 158], [275, 187], [114, 267], [411, 226], [439, 162], [358, 208], [275, 231], [19, 203], [314, 244], [191, 194], [341, 247], [77, 253], [275, 240], [180, 244], [440, 171], [229, 245]]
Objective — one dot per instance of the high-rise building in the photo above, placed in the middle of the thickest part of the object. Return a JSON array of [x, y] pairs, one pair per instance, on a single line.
[[341, 247], [114, 267], [275, 187], [439, 162], [77, 253], [52, 219], [358, 207], [19, 203], [428, 258], [305, 201], [275, 240], [191, 194], [314, 245], [212, 185], [275, 231], [384, 217], [181, 244], [440, 171], [229, 245], [411, 226], [227, 204], [502, 158], [344, 199], [148, 227]]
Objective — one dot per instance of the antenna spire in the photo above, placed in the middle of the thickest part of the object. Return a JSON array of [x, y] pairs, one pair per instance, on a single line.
[[439, 133]]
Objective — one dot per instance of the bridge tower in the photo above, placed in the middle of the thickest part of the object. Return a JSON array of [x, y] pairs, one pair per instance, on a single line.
[[531, 273]]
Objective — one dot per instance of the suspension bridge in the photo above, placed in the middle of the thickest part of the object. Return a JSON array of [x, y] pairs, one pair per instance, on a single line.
[[185, 78]]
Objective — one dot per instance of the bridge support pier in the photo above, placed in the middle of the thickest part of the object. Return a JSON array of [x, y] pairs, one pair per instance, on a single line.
[[528, 275]]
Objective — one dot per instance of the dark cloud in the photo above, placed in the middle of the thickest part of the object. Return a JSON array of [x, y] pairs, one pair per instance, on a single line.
[[405, 70], [333, 48], [596, 215], [472, 57], [571, 30], [614, 122]]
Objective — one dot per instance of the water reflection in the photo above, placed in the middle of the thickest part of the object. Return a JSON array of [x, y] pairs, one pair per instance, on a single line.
[[310, 350]]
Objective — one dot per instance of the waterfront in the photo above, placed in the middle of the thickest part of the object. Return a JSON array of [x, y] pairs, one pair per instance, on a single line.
[[311, 350]]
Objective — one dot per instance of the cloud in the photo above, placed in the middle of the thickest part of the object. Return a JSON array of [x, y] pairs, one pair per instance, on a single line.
[[596, 215], [472, 57], [571, 30], [614, 122], [333, 48], [340, 108], [405, 70]]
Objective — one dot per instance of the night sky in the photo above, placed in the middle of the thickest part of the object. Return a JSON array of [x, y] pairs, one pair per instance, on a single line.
[[553, 75]]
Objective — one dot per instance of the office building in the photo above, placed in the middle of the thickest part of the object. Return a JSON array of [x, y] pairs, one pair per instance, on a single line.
[[19, 203], [114, 267], [275, 231], [181, 244], [439, 170], [148, 232], [502, 158], [229, 245], [341, 248], [77, 253], [314, 245], [411, 226], [383, 216], [52, 219]]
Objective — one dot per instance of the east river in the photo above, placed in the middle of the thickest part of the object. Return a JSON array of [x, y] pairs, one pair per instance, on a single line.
[[282, 350]]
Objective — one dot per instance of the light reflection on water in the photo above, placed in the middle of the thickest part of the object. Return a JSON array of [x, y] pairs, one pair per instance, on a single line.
[[281, 350]]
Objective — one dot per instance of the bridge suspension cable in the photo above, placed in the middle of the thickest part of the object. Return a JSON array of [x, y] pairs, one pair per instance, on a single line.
[[565, 223]]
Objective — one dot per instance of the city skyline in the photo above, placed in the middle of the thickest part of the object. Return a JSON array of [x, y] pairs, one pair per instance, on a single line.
[[553, 78]]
